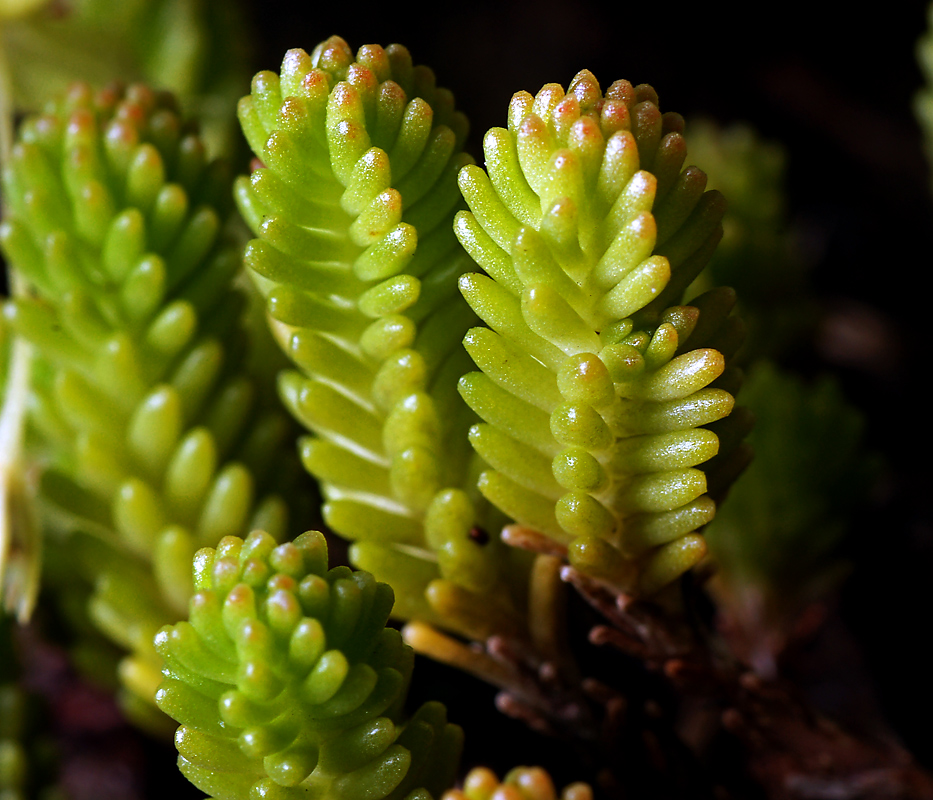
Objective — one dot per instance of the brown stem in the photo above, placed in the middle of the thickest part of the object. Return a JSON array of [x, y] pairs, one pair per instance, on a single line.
[[793, 752]]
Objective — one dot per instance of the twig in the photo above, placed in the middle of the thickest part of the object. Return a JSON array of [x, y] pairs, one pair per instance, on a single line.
[[793, 751]]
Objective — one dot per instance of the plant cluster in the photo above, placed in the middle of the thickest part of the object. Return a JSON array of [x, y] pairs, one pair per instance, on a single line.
[[512, 385]]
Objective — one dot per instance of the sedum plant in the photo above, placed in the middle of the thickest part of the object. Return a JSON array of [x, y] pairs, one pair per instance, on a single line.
[[595, 383], [151, 438], [352, 205], [521, 783], [529, 347], [197, 49], [288, 684], [112, 221], [353, 201]]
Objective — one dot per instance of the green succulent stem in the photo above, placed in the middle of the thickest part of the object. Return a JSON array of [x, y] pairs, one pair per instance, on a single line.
[[352, 205], [288, 684], [594, 390], [149, 438]]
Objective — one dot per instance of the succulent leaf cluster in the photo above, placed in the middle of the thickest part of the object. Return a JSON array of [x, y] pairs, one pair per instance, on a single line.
[[287, 684], [521, 783], [552, 356], [596, 386], [151, 437], [353, 206]]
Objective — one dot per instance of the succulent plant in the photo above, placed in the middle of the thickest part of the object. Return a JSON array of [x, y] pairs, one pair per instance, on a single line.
[[288, 684], [151, 437], [595, 385], [353, 204], [521, 783], [516, 383]]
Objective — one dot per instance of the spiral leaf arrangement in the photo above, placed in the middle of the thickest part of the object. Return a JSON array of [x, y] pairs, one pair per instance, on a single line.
[[353, 206], [595, 385], [152, 441], [287, 684]]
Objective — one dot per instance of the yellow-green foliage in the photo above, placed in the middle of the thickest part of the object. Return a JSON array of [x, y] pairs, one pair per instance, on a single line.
[[353, 207], [595, 385], [150, 438], [196, 49], [288, 684]]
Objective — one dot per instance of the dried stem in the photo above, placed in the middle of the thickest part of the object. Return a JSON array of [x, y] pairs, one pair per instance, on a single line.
[[793, 751]]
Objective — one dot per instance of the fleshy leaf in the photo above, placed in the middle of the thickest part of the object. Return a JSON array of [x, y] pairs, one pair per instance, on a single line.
[[286, 680], [590, 229], [152, 431], [353, 207]]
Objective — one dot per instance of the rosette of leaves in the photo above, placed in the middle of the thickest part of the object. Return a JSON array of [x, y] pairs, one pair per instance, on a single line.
[[595, 386], [521, 783], [287, 684], [151, 437], [353, 205]]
